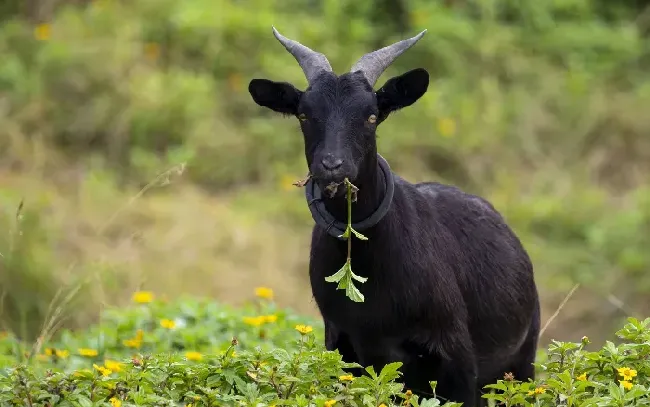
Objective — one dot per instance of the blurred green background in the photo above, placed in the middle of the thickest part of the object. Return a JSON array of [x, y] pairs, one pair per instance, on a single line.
[[127, 131]]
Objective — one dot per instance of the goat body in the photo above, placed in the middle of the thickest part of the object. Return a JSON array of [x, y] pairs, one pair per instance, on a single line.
[[450, 293]]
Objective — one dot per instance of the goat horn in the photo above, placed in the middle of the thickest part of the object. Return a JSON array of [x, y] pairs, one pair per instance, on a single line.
[[311, 62], [375, 63]]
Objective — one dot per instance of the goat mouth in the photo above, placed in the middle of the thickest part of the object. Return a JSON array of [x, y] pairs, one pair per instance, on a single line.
[[332, 189]]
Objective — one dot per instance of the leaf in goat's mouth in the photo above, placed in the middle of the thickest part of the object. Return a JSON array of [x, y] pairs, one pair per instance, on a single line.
[[302, 182], [332, 188]]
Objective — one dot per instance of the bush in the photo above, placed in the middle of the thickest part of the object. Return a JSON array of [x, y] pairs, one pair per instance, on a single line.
[[202, 353]]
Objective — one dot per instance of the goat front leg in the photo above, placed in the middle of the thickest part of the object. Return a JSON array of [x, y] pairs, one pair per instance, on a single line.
[[337, 340], [458, 371]]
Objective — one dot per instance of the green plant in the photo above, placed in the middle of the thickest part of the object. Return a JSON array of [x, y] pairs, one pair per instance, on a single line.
[[345, 275], [202, 353]]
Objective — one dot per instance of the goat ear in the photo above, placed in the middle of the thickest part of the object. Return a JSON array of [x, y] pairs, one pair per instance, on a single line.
[[401, 91], [280, 97]]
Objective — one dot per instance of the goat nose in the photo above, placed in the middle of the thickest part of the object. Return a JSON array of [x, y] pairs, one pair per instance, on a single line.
[[331, 163]]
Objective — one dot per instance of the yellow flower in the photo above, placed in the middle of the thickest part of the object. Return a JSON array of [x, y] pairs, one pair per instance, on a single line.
[[582, 377], [271, 318], [382, 405], [49, 351], [627, 385], [132, 343], [62, 353], [538, 390], [88, 352], [193, 356], [143, 297], [626, 373], [254, 321], [42, 32], [329, 403], [115, 402], [167, 323], [346, 378], [304, 329], [113, 365], [264, 292], [104, 371], [235, 81], [446, 127], [152, 51]]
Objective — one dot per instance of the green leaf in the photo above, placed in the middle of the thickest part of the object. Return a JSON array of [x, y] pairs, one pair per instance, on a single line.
[[354, 294], [357, 234], [358, 277], [336, 277]]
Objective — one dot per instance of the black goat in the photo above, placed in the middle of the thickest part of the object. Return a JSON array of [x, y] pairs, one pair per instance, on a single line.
[[450, 290]]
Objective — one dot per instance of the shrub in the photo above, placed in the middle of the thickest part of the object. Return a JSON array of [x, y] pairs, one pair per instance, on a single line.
[[203, 353]]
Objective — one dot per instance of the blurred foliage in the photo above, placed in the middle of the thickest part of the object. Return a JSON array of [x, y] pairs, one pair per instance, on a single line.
[[538, 106]]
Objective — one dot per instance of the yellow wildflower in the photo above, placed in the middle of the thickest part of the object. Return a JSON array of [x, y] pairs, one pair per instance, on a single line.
[[329, 403], [49, 351], [115, 402], [271, 318], [132, 343], [626, 385], [382, 405], [254, 321], [87, 352], [42, 32], [62, 353], [304, 329], [264, 292], [346, 378], [143, 297], [193, 356], [104, 371], [235, 81], [582, 377], [167, 323], [538, 390], [152, 51], [446, 127], [115, 366], [626, 373]]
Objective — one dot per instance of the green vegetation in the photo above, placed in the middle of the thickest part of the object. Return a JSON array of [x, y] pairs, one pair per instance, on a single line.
[[199, 353]]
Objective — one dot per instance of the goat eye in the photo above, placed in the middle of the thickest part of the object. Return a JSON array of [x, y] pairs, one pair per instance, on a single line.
[[302, 117], [372, 119]]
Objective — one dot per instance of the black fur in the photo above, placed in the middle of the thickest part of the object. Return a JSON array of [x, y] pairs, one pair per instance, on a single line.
[[450, 290]]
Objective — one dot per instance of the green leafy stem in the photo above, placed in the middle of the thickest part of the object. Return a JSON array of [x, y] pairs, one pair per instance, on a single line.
[[345, 277]]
